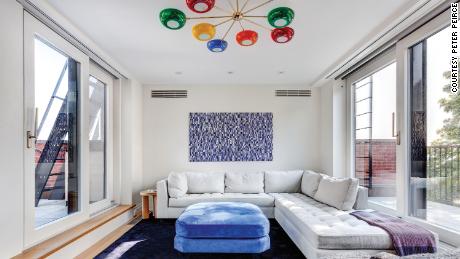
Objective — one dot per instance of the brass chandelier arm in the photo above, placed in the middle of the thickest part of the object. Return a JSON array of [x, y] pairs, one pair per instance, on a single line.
[[222, 9], [256, 7], [241, 25], [244, 6], [209, 17], [257, 24], [231, 6], [226, 21], [255, 16], [229, 28]]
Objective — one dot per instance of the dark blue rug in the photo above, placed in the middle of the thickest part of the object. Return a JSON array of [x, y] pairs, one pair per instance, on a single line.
[[155, 239]]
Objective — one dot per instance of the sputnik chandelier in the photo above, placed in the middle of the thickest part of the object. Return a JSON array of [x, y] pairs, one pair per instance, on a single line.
[[279, 18]]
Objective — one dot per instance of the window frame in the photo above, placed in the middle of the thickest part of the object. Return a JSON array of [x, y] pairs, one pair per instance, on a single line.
[[403, 120], [103, 76], [35, 29], [399, 54]]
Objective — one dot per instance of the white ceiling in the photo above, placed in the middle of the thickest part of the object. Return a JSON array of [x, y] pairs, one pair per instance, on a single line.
[[130, 31]]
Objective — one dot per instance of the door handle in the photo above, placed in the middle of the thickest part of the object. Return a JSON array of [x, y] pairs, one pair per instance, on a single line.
[[394, 133], [32, 136]]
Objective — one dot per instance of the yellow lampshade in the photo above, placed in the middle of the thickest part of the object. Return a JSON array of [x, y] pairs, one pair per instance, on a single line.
[[204, 31]]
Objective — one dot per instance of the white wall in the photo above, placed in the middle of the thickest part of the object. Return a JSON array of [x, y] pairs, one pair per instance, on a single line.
[[11, 130], [334, 128], [296, 128], [131, 141]]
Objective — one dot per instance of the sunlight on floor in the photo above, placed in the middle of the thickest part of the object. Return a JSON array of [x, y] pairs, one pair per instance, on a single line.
[[438, 213]]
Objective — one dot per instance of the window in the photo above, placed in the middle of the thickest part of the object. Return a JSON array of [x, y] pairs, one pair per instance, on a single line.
[[56, 145], [68, 126], [100, 123], [434, 186], [97, 147], [374, 106]]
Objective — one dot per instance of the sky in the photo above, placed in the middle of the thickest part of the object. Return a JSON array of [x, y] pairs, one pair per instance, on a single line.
[[438, 62]]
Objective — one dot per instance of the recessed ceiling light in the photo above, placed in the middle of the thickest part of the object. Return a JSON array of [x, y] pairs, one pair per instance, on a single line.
[[230, 72], [178, 73], [281, 72]]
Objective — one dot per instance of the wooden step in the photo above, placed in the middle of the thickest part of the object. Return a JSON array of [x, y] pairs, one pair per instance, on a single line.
[[50, 246]]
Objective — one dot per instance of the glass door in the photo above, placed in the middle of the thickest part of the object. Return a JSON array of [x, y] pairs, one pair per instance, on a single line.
[[434, 134], [429, 118], [373, 128], [55, 157], [100, 139]]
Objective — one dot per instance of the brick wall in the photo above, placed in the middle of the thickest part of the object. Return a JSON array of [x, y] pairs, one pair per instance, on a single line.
[[383, 165]]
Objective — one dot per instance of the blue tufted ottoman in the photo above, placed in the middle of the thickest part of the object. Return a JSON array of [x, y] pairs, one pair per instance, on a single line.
[[222, 227]]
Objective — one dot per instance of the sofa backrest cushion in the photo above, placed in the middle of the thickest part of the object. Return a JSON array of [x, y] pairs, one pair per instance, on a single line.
[[310, 182], [337, 192], [241, 182], [177, 184], [205, 182], [283, 181]]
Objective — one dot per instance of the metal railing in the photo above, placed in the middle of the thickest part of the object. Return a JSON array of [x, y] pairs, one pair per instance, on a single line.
[[443, 169]]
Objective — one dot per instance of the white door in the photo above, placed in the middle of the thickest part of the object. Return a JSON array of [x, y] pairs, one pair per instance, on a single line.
[[56, 130]]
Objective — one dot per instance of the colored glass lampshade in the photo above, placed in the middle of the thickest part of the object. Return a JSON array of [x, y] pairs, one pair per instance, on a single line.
[[247, 37], [280, 17], [172, 18], [200, 6], [204, 31], [217, 45], [282, 35]]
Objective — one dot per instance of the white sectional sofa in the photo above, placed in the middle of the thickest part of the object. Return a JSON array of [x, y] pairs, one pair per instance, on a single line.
[[312, 208]]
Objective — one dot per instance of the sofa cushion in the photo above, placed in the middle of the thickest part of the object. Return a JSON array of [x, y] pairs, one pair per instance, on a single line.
[[310, 182], [283, 181], [335, 192], [259, 199], [241, 182], [205, 182], [177, 184], [326, 227]]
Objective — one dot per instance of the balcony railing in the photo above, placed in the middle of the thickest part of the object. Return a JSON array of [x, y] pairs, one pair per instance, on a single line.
[[443, 168]]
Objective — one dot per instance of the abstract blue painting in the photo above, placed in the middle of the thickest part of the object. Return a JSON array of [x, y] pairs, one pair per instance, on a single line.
[[216, 137]]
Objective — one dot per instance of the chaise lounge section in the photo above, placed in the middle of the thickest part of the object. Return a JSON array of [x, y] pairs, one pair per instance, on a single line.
[[313, 209]]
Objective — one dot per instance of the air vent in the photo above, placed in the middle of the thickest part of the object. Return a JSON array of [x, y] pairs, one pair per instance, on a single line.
[[169, 93], [293, 93]]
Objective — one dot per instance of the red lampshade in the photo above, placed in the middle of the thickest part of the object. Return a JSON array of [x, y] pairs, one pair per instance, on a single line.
[[200, 6], [282, 35], [247, 37]]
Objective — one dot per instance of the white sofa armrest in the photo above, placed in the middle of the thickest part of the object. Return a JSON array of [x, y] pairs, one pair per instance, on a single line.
[[361, 199], [162, 199]]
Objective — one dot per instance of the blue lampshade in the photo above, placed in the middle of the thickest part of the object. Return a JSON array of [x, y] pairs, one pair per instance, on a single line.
[[217, 45]]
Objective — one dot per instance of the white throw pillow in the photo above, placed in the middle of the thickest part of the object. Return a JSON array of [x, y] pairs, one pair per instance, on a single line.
[[205, 182], [352, 194], [310, 182], [177, 184], [240, 182], [336, 191], [283, 181]]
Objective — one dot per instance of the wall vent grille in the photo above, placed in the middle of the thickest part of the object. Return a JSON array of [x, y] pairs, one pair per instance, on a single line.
[[169, 94], [293, 93]]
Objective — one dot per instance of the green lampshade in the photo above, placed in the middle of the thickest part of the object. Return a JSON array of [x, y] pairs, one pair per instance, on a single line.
[[280, 17], [172, 18]]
